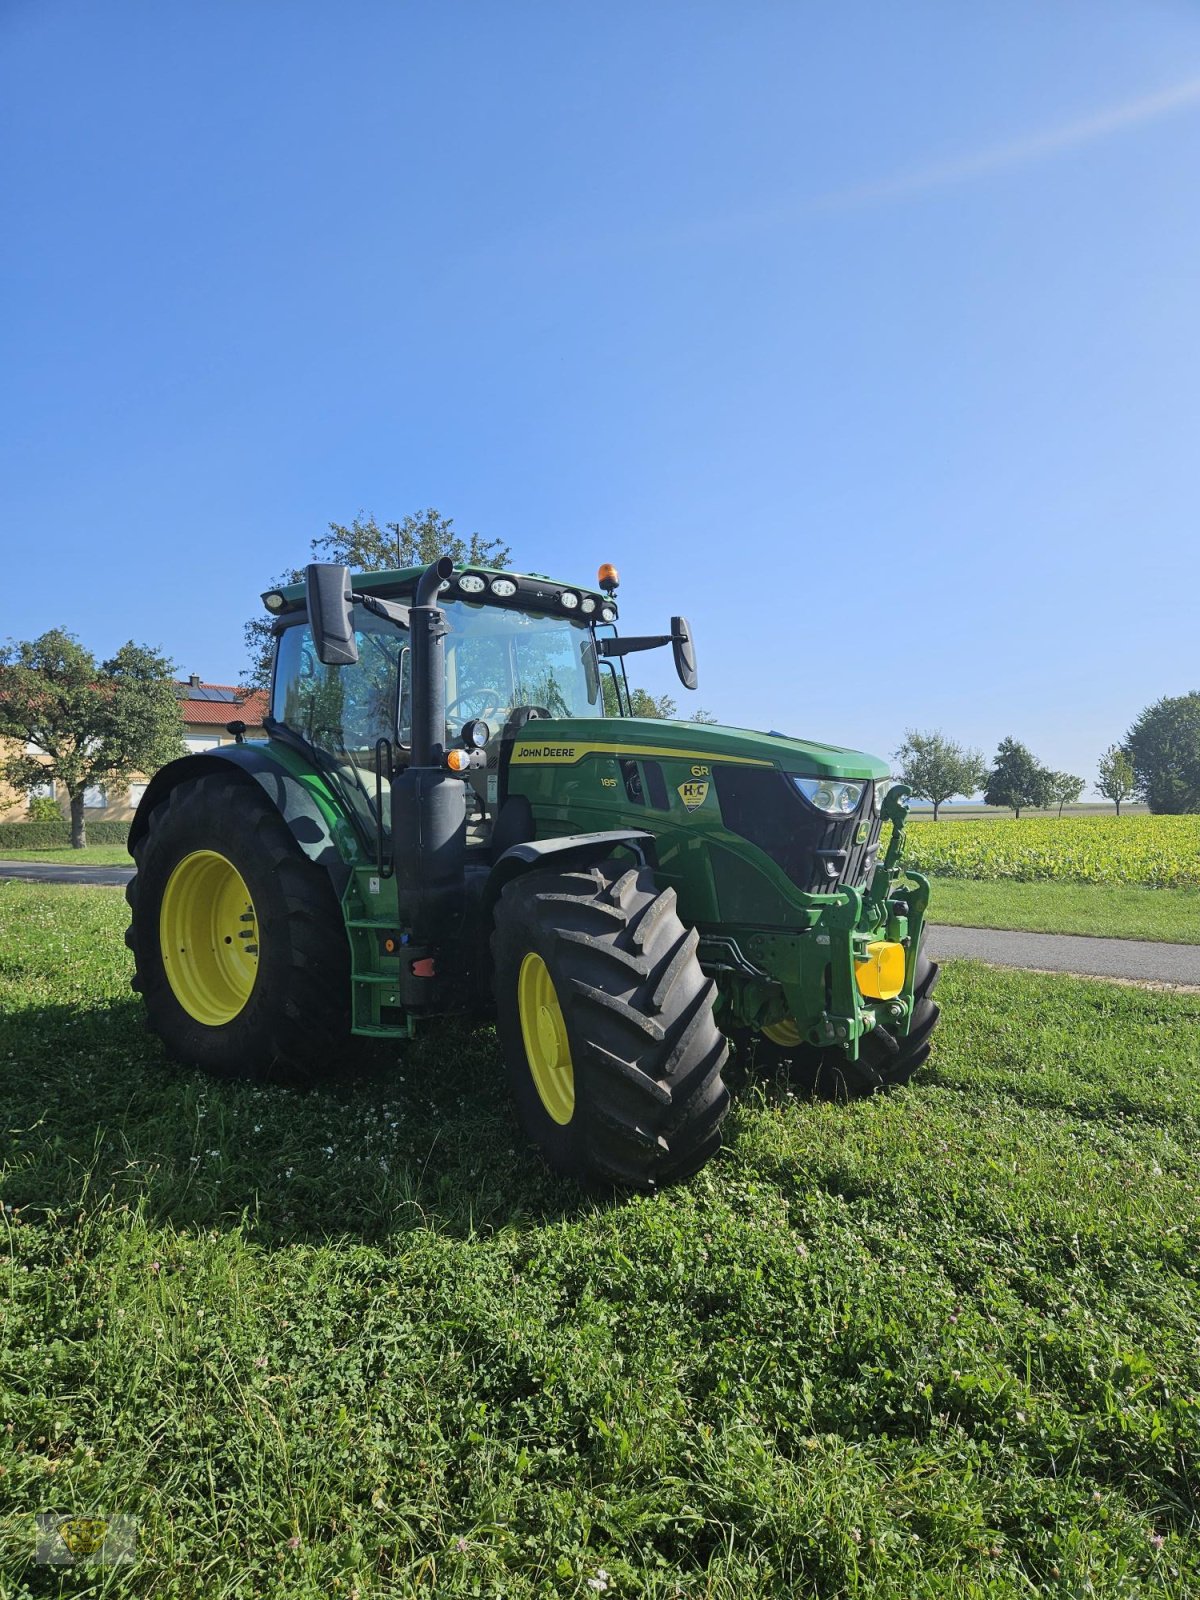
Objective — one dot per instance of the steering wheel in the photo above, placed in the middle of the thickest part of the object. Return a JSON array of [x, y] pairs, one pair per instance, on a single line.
[[475, 704]]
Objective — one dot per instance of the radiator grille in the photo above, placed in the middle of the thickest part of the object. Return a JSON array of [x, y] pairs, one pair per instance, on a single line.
[[818, 852]]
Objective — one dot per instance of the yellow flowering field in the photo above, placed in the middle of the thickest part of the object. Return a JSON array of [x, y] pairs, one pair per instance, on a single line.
[[1163, 852]]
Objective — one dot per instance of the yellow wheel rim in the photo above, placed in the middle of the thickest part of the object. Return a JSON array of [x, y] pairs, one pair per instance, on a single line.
[[784, 1033], [208, 935], [544, 1030]]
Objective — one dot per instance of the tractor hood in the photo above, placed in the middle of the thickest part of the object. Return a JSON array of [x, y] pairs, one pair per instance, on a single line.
[[562, 741]]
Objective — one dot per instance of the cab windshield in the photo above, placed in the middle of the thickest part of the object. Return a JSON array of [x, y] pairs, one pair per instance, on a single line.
[[500, 661]]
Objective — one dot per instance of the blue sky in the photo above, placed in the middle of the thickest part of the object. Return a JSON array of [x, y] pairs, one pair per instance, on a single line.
[[866, 336]]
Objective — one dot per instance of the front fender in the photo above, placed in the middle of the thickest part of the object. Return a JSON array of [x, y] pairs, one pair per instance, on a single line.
[[571, 850], [314, 827]]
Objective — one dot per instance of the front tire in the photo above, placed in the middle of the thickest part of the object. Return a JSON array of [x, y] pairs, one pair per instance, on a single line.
[[239, 946], [606, 1023]]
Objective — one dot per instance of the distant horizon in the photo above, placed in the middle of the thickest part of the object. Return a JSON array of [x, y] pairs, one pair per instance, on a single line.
[[1099, 804]]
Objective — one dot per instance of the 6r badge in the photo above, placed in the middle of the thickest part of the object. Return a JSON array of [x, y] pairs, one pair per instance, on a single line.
[[693, 794]]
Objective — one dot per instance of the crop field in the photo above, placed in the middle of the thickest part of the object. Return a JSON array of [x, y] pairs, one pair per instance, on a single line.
[[359, 1343], [1160, 852]]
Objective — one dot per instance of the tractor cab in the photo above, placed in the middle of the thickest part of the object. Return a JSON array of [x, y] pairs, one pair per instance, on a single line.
[[514, 649]]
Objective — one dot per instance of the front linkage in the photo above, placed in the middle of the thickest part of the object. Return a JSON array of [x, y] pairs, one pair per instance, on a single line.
[[856, 968]]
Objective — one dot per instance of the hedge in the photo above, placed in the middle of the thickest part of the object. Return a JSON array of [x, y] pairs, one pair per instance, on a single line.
[[57, 835]]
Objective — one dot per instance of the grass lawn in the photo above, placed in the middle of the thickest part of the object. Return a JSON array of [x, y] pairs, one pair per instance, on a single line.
[[92, 855], [1114, 911], [360, 1343]]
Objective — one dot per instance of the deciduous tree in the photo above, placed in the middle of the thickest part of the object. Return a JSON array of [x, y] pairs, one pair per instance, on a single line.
[[936, 769], [1065, 789], [641, 702], [78, 724], [1164, 750], [1115, 779], [1017, 779]]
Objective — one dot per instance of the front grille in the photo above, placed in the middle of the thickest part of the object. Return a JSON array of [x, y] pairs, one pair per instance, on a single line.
[[818, 852]]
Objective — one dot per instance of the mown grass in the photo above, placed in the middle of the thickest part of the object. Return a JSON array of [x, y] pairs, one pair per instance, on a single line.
[[360, 1343], [1124, 911], [94, 855]]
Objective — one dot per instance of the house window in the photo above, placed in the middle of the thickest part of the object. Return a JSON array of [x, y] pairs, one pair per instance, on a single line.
[[95, 799], [44, 791], [136, 791], [202, 742]]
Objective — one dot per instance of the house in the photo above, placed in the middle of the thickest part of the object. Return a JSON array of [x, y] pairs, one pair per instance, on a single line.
[[206, 710]]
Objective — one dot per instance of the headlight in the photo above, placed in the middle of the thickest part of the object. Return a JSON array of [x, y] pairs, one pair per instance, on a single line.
[[587, 604], [505, 588], [607, 614], [568, 600], [828, 794], [471, 583]]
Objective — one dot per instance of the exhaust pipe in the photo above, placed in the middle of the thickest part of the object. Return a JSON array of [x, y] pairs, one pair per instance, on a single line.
[[429, 808], [427, 636]]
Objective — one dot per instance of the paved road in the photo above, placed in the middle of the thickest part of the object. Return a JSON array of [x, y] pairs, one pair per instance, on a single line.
[[1137, 959], [53, 872]]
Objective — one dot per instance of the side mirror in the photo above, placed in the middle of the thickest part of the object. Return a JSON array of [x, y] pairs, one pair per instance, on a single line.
[[591, 670], [685, 652], [330, 613]]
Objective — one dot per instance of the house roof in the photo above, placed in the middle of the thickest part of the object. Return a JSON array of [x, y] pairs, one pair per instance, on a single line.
[[215, 704]]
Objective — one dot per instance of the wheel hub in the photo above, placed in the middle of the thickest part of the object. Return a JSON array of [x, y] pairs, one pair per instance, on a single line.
[[208, 937], [544, 1030]]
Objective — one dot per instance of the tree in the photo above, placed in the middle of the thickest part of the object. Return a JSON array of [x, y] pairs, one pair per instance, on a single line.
[[1065, 789], [1115, 779], [1164, 751], [935, 768], [1017, 779], [704, 716], [644, 704], [364, 546], [80, 724], [641, 702]]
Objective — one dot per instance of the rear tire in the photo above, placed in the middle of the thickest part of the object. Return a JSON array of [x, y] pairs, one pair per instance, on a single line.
[[884, 1061], [606, 1023], [212, 845]]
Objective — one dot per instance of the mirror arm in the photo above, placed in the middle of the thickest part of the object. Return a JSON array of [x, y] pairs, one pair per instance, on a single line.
[[625, 647], [383, 608]]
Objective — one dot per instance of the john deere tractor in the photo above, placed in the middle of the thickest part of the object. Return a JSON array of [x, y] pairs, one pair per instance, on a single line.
[[454, 812]]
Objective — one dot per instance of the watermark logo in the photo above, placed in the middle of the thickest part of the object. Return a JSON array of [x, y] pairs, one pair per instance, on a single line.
[[66, 1538]]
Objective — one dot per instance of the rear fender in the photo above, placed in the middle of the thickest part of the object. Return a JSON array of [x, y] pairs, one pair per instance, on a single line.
[[573, 850], [295, 803]]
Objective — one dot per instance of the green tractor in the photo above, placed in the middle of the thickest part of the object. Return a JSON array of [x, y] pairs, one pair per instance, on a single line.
[[454, 813]]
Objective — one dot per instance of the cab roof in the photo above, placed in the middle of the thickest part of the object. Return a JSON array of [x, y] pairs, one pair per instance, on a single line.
[[534, 590]]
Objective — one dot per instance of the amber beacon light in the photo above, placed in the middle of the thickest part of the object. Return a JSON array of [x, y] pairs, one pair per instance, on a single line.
[[608, 578]]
